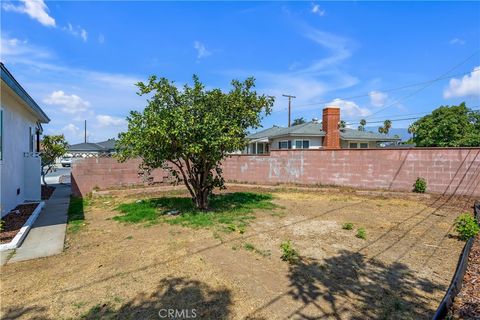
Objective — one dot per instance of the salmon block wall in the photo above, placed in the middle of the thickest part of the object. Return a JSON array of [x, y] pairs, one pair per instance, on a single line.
[[446, 170]]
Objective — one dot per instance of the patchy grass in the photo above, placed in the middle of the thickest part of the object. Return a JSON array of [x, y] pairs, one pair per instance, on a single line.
[[76, 216], [231, 212]]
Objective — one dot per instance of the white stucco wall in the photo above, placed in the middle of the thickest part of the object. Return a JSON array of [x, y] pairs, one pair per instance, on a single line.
[[16, 123], [315, 142]]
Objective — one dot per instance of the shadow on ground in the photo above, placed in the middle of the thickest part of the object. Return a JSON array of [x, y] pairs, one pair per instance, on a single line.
[[189, 297], [380, 291]]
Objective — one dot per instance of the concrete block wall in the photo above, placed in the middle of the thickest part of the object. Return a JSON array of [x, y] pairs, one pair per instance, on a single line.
[[447, 170]]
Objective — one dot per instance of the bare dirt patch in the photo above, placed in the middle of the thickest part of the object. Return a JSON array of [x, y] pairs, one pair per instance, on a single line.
[[119, 270], [14, 221]]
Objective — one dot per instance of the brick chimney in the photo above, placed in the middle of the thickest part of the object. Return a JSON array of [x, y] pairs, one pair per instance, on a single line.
[[330, 124]]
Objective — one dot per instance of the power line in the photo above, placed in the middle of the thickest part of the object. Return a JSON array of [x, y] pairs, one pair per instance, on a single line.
[[425, 86], [400, 119], [363, 95]]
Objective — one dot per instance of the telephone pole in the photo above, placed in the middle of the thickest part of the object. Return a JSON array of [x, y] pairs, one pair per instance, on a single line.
[[85, 131], [289, 106]]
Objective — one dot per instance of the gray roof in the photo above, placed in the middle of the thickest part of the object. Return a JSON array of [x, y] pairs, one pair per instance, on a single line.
[[104, 146], [352, 134], [18, 89], [315, 129], [265, 133], [305, 129]]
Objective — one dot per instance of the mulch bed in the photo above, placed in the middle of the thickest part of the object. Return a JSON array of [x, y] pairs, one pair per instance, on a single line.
[[467, 303], [47, 192], [14, 221]]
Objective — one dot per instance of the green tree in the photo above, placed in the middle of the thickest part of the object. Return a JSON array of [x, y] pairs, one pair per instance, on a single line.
[[53, 147], [362, 125], [342, 124], [298, 121], [448, 126], [387, 124], [189, 131]]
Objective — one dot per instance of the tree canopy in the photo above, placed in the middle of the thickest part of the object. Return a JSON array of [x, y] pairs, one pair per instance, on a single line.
[[189, 131], [52, 148], [448, 126], [385, 129]]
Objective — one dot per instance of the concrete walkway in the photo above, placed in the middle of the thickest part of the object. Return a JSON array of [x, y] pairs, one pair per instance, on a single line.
[[47, 236]]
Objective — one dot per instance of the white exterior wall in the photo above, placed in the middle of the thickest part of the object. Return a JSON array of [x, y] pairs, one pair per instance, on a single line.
[[16, 141], [315, 142]]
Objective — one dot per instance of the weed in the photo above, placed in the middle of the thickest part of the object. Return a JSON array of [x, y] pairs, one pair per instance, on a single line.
[[249, 246], [129, 238], [289, 254], [466, 226], [420, 185], [347, 226], [361, 233]]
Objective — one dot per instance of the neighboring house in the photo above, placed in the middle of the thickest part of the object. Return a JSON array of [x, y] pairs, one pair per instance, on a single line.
[[316, 135], [92, 149], [20, 128]]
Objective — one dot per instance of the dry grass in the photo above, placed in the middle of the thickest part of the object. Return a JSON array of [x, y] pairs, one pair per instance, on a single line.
[[117, 270]]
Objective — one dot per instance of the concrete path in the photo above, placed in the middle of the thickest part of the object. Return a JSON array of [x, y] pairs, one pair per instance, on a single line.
[[47, 236]]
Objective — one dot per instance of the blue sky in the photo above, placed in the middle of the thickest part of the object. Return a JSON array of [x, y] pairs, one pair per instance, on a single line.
[[80, 60]]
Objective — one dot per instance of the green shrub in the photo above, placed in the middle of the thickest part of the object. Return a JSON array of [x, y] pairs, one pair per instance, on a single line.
[[289, 254], [361, 233], [347, 226], [2, 223], [420, 185], [466, 226]]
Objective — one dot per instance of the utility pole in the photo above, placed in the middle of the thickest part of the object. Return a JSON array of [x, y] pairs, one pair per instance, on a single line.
[[289, 106], [85, 131]]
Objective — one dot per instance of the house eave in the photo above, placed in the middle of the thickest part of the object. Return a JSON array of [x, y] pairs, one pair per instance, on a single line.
[[13, 84]]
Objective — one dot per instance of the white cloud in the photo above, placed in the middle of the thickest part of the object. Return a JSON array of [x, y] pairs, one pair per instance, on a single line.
[[36, 9], [457, 41], [349, 108], [76, 31], [317, 10], [202, 51], [469, 85], [71, 104], [107, 121], [378, 98]]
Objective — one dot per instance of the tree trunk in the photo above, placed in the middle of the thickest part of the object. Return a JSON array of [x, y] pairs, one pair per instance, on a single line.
[[43, 178], [201, 199]]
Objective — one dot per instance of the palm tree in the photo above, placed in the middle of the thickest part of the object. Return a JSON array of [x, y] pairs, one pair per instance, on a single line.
[[387, 124], [361, 127], [412, 129], [342, 124]]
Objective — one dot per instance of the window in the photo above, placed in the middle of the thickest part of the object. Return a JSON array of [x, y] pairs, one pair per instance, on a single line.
[[364, 145], [353, 145], [285, 144], [260, 148], [30, 140], [302, 144]]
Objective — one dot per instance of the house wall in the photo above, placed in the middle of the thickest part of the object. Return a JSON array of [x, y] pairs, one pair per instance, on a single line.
[[447, 170], [16, 123], [344, 144], [315, 142]]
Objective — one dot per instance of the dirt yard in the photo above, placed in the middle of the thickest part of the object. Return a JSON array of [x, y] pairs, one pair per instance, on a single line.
[[115, 270]]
